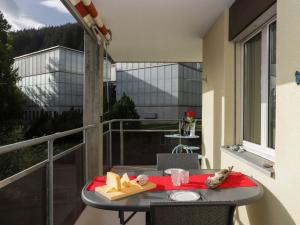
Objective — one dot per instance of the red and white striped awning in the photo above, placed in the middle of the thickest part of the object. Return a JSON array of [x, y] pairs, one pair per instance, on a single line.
[[92, 18]]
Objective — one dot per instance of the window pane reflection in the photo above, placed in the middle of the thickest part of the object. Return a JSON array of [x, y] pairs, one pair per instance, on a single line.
[[252, 90], [272, 85]]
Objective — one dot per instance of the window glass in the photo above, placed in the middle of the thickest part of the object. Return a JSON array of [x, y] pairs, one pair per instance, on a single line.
[[56, 60], [62, 77], [272, 85], [47, 62], [68, 62], [30, 66], [43, 62], [80, 63], [34, 65], [27, 60], [252, 90], [62, 60]]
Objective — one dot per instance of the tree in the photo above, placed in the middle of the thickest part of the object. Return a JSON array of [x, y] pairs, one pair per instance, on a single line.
[[12, 100], [124, 109], [68, 35]]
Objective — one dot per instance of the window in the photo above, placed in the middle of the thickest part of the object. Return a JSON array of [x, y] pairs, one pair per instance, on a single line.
[[272, 85], [259, 92]]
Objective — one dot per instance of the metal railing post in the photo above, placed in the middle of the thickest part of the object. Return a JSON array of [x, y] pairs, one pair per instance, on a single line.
[[121, 143], [110, 145], [85, 155], [50, 182], [179, 131]]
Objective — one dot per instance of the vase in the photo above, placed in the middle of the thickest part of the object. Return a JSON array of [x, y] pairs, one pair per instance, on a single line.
[[193, 129]]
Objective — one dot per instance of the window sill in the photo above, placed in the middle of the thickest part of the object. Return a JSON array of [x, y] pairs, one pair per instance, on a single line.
[[252, 160]]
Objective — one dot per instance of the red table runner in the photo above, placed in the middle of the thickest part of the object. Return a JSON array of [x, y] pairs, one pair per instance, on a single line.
[[235, 179]]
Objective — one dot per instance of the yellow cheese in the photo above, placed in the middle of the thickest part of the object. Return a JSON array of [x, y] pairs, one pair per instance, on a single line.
[[125, 181], [110, 189], [113, 181]]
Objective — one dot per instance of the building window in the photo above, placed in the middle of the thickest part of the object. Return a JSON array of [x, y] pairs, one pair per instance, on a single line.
[[252, 90], [259, 92], [272, 86]]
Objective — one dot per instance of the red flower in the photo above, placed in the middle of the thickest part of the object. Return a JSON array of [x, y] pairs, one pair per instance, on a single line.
[[191, 114]]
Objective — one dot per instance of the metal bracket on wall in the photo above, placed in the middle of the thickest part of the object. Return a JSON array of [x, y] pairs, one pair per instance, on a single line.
[[297, 75]]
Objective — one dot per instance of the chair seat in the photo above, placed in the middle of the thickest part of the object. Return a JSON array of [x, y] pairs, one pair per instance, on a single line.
[[189, 214]]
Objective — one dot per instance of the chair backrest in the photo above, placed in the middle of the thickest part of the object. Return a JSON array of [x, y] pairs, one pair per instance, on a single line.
[[187, 214], [181, 160]]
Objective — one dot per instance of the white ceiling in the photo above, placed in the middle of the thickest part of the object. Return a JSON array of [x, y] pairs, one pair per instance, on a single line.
[[159, 30]]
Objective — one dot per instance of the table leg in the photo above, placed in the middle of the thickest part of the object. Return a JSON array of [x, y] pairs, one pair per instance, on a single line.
[[122, 219], [148, 218]]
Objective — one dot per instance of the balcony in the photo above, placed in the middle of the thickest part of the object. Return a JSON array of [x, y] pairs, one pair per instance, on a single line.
[[49, 191], [217, 33]]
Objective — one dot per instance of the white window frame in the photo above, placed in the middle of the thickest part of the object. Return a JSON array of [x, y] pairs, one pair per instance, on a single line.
[[261, 150]]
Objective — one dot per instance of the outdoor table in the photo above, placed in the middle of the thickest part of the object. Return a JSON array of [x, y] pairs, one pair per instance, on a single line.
[[237, 196], [189, 149]]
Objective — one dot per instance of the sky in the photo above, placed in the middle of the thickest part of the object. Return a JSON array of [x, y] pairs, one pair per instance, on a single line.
[[22, 14]]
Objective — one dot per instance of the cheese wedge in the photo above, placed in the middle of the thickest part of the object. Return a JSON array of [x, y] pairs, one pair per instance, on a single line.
[[125, 181], [110, 189], [113, 182]]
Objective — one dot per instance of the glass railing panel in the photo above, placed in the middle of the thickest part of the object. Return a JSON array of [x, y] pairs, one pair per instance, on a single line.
[[143, 139], [159, 125], [62, 144], [115, 148], [140, 148], [68, 182], [25, 201], [150, 125], [16, 161]]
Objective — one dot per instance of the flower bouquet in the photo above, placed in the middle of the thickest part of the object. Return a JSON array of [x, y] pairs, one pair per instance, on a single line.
[[191, 122]]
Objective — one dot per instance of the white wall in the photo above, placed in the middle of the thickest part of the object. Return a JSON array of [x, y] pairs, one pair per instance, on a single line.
[[280, 204]]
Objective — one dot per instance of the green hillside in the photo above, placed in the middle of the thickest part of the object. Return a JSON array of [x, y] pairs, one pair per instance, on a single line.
[[31, 40]]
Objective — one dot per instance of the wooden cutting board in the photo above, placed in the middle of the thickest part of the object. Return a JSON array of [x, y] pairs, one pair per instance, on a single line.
[[125, 192]]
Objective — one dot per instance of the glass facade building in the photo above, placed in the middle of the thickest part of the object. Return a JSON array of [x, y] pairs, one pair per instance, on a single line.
[[52, 80], [161, 90]]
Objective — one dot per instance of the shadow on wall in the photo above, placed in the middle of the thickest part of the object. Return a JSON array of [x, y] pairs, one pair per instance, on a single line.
[[212, 136], [164, 92], [50, 93], [205, 161], [268, 205]]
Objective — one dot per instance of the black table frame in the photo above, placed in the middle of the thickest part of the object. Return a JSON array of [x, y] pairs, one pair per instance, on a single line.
[[141, 202]]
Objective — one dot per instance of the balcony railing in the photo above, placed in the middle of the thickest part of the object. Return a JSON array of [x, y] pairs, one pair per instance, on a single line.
[[41, 193], [136, 141], [48, 192]]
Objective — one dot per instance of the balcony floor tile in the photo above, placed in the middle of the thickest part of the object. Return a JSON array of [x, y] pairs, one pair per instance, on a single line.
[[92, 216]]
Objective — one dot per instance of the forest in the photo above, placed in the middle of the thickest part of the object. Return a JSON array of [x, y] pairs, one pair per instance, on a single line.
[[31, 40]]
